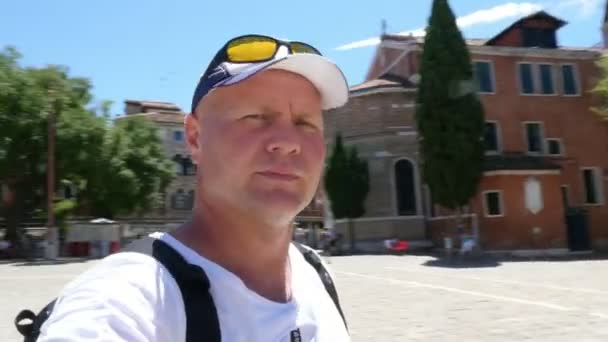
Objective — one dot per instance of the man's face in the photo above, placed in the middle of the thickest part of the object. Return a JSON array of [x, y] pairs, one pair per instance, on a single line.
[[259, 145]]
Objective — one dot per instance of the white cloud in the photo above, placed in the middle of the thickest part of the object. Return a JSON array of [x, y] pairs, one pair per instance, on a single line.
[[359, 44], [486, 16], [498, 13], [580, 8]]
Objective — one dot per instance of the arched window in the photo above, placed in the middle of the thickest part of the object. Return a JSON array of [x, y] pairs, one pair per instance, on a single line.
[[405, 187]]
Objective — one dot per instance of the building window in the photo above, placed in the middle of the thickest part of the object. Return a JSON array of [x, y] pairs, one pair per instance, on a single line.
[[405, 187], [593, 185], [569, 80], [491, 137], [539, 37], [492, 201], [188, 167], [190, 201], [484, 77], [554, 147], [178, 136], [179, 200], [526, 78], [534, 137], [184, 166], [546, 79], [540, 79]]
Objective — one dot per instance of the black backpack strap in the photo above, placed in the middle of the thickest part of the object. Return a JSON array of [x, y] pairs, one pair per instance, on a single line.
[[315, 261], [202, 323], [28, 324]]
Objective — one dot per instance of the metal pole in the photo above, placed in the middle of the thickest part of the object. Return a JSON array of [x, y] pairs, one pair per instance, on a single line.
[[52, 243], [475, 220]]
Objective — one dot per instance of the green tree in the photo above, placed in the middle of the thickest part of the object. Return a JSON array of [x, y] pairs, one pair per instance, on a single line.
[[449, 114], [27, 97], [117, 169], [601, 89], [347, 185], [131, 171]]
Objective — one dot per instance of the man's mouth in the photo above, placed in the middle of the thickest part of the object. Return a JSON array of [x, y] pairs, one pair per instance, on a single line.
[[279, 176]]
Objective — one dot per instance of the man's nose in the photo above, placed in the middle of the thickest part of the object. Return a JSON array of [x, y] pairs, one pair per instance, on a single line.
[[284, 139]]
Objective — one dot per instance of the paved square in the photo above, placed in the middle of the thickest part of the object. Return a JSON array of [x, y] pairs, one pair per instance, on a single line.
[[412, 298]]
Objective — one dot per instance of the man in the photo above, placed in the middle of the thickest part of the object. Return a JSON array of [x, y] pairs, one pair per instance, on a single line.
[[256, 133]]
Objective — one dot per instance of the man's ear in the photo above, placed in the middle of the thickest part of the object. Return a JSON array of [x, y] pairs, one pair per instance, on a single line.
[[192, 129]]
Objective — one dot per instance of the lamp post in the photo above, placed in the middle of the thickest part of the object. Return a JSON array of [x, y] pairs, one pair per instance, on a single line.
[[51, 234]]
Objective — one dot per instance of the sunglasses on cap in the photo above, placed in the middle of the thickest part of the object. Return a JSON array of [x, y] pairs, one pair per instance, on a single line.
[[244, 56], [259, 48]]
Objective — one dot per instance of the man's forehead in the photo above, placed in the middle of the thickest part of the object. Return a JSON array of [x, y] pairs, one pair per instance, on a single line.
[[255, 88]]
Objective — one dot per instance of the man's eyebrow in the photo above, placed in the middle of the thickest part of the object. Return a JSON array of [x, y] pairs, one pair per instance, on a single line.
[[265, 109], [303, 113]]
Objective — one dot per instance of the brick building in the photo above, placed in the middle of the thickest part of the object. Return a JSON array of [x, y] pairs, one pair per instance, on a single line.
[[169, 119], [546, 170], [379, 120]]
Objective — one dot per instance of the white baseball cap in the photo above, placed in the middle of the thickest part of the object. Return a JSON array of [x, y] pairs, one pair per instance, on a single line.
[[324, 74]]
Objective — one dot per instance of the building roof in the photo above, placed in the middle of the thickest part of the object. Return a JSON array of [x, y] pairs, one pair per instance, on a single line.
[[168, 117], [420, 39], [538, 15], [385, 81], [518, 161], [479, 42], [155, 104], [399, 37]]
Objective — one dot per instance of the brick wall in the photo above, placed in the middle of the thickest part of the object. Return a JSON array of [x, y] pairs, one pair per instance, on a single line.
[[515, 229], [371, 114], [584, 136], [382, 127]]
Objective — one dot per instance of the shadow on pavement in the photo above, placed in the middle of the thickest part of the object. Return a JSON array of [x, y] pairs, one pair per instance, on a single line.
[[42, 262], [463, 262], [558, 258], [484, 261]]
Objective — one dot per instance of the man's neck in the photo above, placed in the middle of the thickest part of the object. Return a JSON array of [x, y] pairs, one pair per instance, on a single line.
[[259, 258]]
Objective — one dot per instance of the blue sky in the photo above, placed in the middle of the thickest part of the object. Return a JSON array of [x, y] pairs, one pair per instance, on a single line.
[[156, 50]]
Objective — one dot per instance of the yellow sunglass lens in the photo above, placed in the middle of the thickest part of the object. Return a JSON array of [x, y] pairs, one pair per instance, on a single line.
[[302, 48], [251, 49]]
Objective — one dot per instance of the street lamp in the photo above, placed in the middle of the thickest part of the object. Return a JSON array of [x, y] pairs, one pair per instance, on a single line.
[[51, 233]]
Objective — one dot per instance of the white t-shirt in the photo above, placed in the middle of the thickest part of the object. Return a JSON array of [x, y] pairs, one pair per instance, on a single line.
[[131, 297]]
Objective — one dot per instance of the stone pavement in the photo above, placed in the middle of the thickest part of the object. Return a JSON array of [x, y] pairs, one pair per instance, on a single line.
[[413, 298]]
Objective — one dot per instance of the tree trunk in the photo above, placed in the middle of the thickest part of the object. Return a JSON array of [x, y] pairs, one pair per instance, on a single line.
[[13, 211], [351, 234]]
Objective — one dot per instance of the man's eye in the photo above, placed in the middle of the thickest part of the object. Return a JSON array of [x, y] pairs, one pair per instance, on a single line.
[[254, 116], [307, 124]]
